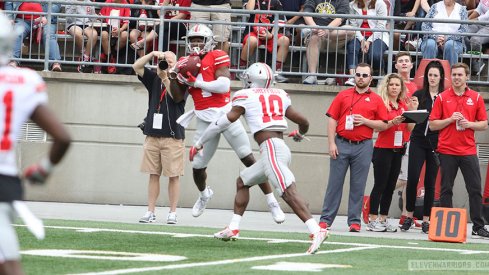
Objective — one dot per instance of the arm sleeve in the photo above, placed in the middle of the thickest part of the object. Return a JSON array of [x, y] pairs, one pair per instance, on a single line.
[[215, 128], [220, 85]]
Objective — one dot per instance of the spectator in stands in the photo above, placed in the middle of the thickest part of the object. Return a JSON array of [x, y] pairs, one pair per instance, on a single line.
[[422, 148], [256, 35], [450, 45], [81, 27], [139, 29], [481, 14], [221, 31], [410, 9], [31, 22], [388, 151], [321, 38], [294, 6], [178, 29], [114, 36], [367, 44]]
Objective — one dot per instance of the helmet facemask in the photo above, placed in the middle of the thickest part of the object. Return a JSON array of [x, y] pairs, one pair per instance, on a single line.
[[205, 34]]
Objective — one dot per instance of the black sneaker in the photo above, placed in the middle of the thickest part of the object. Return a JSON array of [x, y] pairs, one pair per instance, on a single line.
[[408, 222], [425, 227], [481, 233]]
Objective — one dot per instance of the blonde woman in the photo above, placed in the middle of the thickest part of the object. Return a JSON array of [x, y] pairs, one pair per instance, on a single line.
[[388, 151]]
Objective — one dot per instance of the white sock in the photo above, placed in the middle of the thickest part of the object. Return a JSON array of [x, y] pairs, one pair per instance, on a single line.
[[271, 198], [205, 193], [313, 226], [235, 220]]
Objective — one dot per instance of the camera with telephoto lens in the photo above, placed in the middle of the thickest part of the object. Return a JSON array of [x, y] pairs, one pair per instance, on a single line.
[[162, 64]]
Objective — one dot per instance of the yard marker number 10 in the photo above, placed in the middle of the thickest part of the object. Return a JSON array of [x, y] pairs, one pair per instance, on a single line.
[[448, 225]]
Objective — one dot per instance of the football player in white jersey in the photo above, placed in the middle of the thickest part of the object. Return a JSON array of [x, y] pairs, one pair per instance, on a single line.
[[23, 96], [265, 110], [210, 91]]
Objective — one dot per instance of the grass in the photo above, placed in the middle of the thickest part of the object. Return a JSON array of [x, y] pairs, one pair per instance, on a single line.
[[205, 255]]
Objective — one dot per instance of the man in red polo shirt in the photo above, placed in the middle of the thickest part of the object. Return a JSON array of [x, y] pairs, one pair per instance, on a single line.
[[457, 113], [353, 116]]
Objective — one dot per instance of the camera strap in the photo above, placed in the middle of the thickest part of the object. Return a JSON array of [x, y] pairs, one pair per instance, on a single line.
[[163, 92]]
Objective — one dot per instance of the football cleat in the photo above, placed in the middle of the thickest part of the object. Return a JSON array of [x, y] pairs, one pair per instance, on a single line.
[[277, 213], [201, 204], [317, 240], [227, 234]]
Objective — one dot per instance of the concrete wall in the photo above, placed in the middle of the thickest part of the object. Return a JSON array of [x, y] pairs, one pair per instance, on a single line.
[[102, 166]]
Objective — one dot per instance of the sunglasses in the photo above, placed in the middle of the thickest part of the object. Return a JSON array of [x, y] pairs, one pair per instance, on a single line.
[[362, 75]]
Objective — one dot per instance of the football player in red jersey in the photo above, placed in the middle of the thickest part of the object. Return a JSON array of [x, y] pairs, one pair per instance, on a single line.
[[265, 110], [24, 96], [210, 91]]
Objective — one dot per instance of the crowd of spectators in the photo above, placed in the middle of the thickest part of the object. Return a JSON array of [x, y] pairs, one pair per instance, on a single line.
[[122, 40]]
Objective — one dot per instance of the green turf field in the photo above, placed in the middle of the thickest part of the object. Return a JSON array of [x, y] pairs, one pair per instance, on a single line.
[[113, 249]]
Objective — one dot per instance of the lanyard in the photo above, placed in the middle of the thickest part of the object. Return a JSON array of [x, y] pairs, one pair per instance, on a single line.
[[354, 103], [163, 92]]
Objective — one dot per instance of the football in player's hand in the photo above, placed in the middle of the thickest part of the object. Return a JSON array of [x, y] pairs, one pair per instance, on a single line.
[[191, 64]]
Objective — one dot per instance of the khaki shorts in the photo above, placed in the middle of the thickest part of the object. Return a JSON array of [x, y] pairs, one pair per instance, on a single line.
[[221, 32], [337, 40], [163, 154]]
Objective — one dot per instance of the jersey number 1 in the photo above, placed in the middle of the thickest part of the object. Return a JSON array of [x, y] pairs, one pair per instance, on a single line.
[[273, 109], [6, 143]]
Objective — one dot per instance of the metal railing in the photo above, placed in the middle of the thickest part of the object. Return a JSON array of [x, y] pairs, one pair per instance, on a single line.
[[332, 60]]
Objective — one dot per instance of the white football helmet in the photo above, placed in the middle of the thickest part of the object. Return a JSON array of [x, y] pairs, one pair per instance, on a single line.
[[8, 34], [258, 75], [200, 30]]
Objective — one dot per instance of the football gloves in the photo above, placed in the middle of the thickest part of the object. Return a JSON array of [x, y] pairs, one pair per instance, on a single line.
[[39, 172], [297, 136], [194, 150], [188, 80]]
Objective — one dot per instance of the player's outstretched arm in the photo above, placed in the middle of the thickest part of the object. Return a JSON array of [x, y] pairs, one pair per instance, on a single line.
[[46, 119], [215, 128], [298, 119]]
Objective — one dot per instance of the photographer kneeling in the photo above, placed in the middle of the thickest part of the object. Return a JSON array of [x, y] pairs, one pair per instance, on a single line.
[[164, 144]]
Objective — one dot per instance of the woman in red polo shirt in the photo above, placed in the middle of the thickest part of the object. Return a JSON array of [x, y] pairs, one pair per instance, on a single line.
[[388, 151]]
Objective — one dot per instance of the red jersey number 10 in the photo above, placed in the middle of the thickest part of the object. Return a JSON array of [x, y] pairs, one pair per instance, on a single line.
[[6, 143], [272, 108]]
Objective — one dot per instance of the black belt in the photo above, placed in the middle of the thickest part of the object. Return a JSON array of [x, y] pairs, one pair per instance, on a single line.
[[351, 141]]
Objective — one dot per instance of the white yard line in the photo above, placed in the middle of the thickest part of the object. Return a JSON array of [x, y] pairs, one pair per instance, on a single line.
[[222, 262], [181, 235], [357, 247]]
